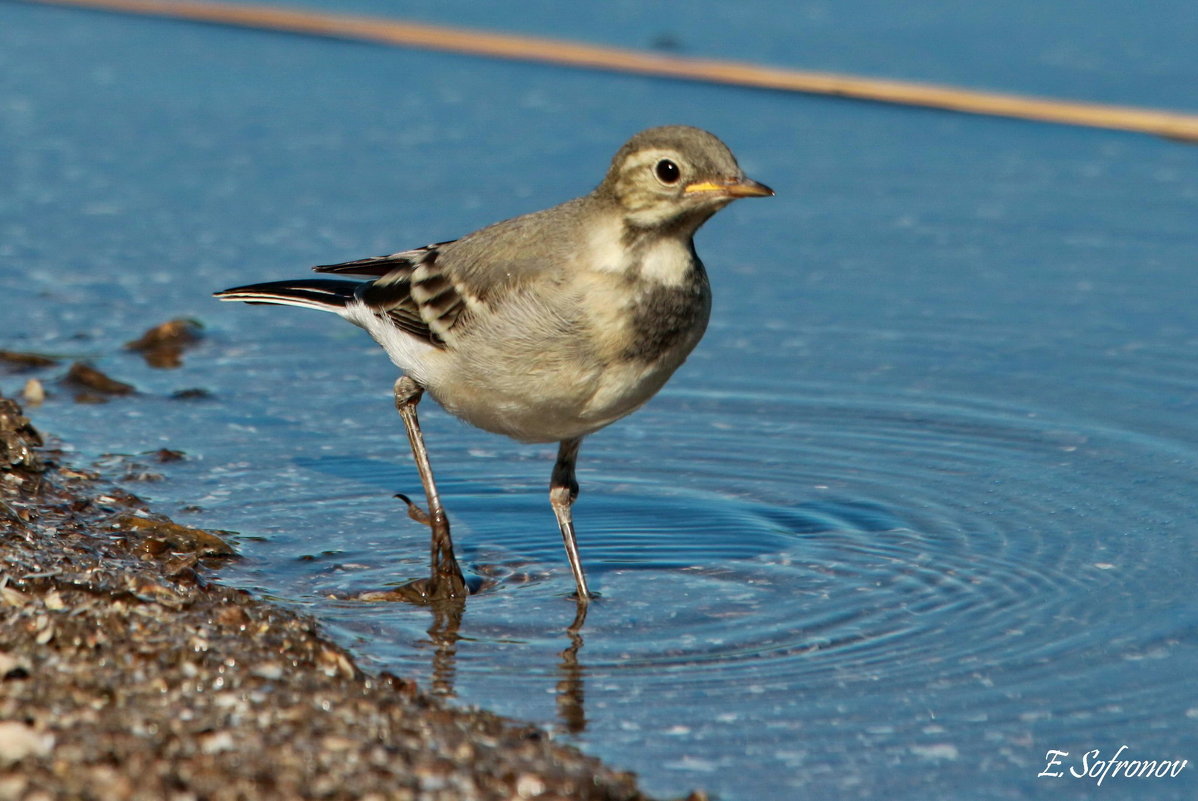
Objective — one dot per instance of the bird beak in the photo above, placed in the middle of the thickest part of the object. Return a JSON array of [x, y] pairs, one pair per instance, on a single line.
[[733, 187]]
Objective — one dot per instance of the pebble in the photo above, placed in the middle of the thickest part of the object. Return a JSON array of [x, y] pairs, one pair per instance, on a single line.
[[19, 740], [34, 392]]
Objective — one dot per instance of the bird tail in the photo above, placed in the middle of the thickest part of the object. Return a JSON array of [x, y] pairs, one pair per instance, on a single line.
[[314, 293]]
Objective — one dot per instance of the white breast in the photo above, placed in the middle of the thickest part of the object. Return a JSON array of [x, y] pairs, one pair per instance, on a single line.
[[666, 260]]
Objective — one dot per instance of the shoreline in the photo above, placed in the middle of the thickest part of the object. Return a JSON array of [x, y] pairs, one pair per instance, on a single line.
[[128, 671]]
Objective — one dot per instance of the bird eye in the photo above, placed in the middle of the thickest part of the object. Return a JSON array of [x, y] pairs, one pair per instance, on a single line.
[[667, 172]]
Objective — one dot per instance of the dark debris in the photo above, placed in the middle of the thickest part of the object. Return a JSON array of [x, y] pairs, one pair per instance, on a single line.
[[19, 361], [92, 385], [162, 346]]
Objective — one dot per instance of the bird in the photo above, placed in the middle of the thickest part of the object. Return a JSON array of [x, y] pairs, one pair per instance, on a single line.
[[545, 327]]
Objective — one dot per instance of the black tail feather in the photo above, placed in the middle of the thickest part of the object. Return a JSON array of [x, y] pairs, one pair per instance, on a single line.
[[312, 293]]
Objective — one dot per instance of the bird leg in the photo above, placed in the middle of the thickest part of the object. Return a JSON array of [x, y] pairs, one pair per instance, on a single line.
[[445, 579], [563, 490]]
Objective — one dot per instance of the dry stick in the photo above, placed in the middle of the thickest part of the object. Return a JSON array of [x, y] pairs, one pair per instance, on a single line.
[[1170, 124]]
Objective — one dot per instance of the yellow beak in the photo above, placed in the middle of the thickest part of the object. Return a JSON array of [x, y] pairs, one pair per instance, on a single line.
[[733, 187]]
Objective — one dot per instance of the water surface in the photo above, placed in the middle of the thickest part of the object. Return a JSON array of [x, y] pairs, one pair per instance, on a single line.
[[918, 510]]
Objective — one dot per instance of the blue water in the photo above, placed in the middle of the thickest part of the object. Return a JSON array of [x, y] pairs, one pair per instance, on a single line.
[[918, 510]]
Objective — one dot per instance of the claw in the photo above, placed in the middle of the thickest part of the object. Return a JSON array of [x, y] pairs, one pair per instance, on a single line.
[[414, 511]]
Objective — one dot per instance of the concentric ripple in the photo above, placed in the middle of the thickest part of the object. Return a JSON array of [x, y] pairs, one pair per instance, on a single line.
[[904, 568]]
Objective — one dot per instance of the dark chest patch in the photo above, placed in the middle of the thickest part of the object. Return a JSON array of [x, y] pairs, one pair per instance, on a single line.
[[665, 316]]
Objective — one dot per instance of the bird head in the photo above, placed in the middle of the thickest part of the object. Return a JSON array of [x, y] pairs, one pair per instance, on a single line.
[[674, 177]]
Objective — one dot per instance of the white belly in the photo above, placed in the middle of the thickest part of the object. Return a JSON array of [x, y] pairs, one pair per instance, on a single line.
[[555, 405]]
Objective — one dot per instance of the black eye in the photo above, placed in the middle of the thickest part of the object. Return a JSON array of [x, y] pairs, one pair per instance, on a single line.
[[667, 172]]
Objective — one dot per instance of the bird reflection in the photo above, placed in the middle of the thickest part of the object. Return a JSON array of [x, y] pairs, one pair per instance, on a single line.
[[443, 638], [570, 690]]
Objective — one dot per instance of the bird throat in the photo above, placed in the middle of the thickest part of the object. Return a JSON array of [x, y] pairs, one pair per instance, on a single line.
[[667, 260]]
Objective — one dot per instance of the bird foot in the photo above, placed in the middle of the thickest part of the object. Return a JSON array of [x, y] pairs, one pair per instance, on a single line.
[[415, 512], [445, 580], [421, 592]]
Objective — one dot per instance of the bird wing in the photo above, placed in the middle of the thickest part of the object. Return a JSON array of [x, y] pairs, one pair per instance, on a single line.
[[430, 291], [379, 266], [411, 289]]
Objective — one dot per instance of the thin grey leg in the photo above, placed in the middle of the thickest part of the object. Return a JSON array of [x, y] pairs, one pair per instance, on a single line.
[[445, 580], [563, 489]]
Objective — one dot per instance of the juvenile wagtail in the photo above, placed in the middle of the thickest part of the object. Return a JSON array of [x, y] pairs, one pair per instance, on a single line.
[[548, 326]]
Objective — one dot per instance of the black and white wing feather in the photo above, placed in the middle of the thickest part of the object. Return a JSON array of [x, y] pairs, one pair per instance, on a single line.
[[411, 289], [379, 266]]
